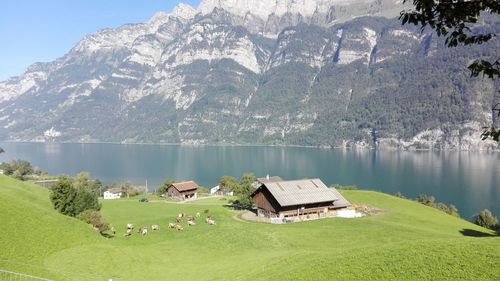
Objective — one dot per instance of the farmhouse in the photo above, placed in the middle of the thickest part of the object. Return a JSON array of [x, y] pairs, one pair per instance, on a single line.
[[113, 193], [183, 190], [297, 198]]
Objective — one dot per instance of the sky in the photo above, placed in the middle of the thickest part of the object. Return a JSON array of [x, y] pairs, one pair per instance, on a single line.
[[43, 30]]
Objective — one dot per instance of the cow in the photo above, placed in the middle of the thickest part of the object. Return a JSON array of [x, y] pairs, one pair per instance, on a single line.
[[130, 226], [113, 230], [191, 223], [180, 215], [171, 225], [179, 227], [198, 215], [144, 231], [211, 222], [155, 227], [190, 218], [178, 220], [128, 232]]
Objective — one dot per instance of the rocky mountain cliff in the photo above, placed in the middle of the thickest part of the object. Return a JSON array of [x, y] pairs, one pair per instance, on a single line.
[[322, 73]]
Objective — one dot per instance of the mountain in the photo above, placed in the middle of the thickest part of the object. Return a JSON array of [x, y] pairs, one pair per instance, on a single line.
[[295, 72]]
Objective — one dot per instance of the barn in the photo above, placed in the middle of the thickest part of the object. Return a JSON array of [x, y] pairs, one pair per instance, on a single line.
[[183, 190], [296, 198]]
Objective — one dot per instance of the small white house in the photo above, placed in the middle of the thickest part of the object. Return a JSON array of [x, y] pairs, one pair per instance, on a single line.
[[216, 191], [113, 193]]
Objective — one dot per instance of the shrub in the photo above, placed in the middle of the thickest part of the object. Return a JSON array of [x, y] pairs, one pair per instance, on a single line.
[[95, 219], [399, 195], [486, 219]]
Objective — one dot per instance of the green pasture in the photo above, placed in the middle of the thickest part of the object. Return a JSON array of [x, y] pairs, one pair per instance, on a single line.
[[408, 241]]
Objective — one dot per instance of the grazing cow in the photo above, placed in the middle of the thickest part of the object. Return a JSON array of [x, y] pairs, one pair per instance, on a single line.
[[155, 227], [206, 211], [211, 222], [179, 227], [177, 220], [180, 215], [113, 230], [171, 225], [130, 226], [191, 223], [190, 218], [144, 231], [198, 215], [128, 232]]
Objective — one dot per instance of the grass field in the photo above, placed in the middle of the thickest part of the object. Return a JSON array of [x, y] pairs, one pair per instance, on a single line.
[[408, 242]]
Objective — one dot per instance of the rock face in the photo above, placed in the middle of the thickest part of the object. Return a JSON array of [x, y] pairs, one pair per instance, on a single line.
[[232, 71]]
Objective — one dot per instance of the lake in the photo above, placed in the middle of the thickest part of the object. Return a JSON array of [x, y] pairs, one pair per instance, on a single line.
[[469, 180]]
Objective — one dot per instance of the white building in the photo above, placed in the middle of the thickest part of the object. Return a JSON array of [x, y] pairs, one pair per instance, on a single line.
[[216, 191], [113, 193]]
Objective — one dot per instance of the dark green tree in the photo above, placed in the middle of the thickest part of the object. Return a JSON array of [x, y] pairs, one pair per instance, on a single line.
[[245, 190], [62, 195], [86, 200], [454, 20]]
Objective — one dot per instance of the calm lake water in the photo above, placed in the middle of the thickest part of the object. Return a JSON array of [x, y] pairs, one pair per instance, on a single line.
[[470, 180]]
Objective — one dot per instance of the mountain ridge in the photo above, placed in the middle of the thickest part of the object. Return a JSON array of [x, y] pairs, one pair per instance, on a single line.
[[190, 77]]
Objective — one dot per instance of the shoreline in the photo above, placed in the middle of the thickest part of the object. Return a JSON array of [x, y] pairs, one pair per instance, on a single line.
[[364, 148]]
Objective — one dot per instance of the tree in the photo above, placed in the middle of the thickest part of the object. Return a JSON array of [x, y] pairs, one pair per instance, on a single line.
[[62, 195], [86, 200], [454, 19], [163, 188], [228, 183], [485, 219], [245, 190], [83, 181], [427, 200]]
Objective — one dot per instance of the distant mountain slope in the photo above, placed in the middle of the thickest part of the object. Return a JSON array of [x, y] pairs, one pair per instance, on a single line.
[[295, 72]]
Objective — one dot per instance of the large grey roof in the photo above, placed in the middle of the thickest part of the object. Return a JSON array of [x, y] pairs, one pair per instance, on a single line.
[[301, 192]]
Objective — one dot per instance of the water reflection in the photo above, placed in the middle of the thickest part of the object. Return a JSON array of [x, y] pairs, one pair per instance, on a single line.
[[469, 180]]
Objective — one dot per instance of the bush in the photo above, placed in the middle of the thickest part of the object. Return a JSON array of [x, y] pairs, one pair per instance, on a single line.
[[18, 169], [95, 219], [486, 219], [399, 195]]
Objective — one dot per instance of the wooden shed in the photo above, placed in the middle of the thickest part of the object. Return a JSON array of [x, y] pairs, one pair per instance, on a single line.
[[295, 198], [183, 190]]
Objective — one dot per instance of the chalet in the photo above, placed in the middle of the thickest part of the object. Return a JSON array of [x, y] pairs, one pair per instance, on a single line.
[[266, 179], [183, 190], [113, 193], [296, 198]]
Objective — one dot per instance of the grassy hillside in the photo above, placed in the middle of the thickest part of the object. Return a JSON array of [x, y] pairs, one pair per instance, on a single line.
[[408, 242]]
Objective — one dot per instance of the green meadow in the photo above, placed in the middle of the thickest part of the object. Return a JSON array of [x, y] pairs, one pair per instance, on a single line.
[[408, 241]]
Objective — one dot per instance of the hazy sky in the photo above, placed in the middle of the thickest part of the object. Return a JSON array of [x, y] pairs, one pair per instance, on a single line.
[[43, 30]]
